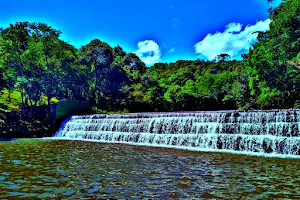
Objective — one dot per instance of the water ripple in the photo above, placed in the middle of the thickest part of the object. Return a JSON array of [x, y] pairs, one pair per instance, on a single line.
[[83, 170]]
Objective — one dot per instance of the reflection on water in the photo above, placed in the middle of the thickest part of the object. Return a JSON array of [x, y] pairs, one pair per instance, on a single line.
[[72, 169], [7, 139]]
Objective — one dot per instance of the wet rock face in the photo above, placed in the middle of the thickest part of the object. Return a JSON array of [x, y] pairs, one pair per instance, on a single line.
[[67, 108], [17, 124]]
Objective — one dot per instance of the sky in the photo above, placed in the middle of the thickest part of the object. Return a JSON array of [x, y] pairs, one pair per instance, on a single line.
[[157, 30]]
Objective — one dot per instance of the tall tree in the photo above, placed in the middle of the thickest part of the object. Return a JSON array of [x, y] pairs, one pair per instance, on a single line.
[[98, 56]]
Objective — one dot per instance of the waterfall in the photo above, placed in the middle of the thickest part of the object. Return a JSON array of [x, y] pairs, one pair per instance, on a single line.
[[263, 132]]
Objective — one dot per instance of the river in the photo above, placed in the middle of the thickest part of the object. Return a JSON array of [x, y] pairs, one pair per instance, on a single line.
[[56, 169]]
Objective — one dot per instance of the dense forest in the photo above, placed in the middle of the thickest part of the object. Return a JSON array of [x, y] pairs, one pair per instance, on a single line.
[[41, 68]]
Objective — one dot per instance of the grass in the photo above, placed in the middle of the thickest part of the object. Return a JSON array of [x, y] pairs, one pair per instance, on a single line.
[[44, 100], [15, 102], [125, 111], [99, 111]]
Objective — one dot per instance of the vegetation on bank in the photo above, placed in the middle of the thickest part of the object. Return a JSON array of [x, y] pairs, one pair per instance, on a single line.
[[12, 102], [36, 67]]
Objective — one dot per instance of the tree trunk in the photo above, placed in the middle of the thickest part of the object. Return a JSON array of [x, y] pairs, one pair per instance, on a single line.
[[92, 99], [22, 97], [31, 109], [51, 114], [48, 100], [22, 105], [101, 102], [9, 91]]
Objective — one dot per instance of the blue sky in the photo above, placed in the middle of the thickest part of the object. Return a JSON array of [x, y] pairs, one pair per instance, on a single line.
[[157, 30]]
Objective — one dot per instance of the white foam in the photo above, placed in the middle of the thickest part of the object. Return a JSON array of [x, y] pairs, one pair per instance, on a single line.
[[254, 132]]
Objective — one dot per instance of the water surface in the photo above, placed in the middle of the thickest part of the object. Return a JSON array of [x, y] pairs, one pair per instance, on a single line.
[[34, 168]]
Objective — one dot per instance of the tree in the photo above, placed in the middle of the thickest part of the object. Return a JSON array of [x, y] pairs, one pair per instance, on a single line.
[[222, 57], [13, 52], [271, 77], [98, 57], [134, 66], [118, 51]]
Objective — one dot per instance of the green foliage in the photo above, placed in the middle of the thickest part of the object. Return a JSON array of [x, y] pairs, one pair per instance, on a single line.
[[99, 111], [39, 67], [10, 105], [15, 102], [267, 95], [272, 63], [297, 104]]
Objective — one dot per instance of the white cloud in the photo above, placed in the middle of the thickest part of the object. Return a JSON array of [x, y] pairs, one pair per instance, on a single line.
[[148, 51], [234, 27], [233, 41], [172, 50]]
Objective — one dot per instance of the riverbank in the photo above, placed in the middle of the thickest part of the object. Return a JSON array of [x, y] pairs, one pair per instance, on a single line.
[[16, 125], [40, 121]]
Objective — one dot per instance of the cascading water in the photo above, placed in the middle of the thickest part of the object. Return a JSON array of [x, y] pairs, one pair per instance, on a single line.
[[251, 132]]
